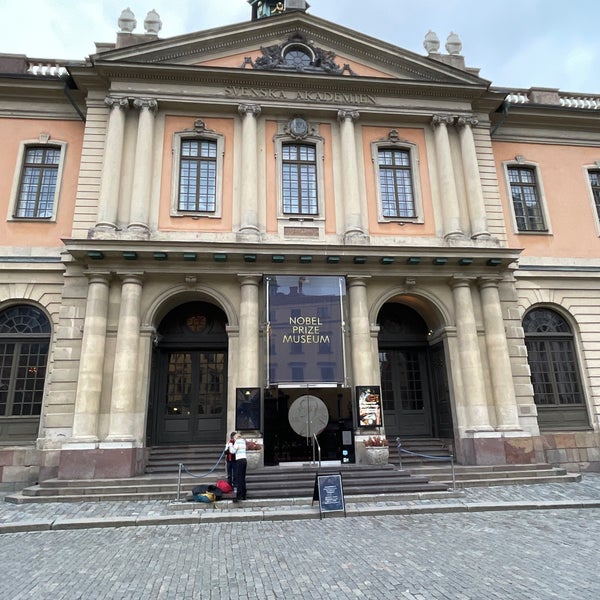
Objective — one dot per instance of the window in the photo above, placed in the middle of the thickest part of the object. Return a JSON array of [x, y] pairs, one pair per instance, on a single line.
[[24, 344], [36, 184], [595, 185], [197, 172], [297, 57], [554, 370], [299, 179], [198, 176], [395, 183], [526, 199], [396, 179]]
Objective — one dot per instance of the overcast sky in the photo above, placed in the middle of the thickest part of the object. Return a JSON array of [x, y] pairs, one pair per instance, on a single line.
[[515, 43]]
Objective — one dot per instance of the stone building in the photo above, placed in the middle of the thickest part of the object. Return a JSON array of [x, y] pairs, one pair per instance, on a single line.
[[291, 228]]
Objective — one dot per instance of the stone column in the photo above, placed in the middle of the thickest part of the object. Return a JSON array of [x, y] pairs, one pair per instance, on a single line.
[[505, 403], [122, 403], [142, 169], [353, 223], [474, 396], [91, 363], [472, 177], [360, 331], [108, 201], [249, 351], [249, 230], [446, 179]]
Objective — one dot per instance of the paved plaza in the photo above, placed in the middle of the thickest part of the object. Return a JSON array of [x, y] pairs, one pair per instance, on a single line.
[[488, 544]]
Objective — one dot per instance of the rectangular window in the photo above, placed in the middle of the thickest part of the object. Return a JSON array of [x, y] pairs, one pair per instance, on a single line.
[[526, 199], [395, 183], [595, 183], [299, 176], [198, 176], [37, 187]]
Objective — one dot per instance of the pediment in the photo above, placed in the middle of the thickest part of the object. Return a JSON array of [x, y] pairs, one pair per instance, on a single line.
[[319, 47]]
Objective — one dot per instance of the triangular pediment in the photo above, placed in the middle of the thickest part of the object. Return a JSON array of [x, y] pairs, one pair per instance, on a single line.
[[334, 50]]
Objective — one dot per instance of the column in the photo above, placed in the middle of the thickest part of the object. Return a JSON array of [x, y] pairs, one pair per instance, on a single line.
[[125, 374], [108, 200], [505, 403], [353, 228], [360, 331], [249, 230], [249, 351], [91, 364], [475, 201], [447, 183], [142, 170], [474, 397]]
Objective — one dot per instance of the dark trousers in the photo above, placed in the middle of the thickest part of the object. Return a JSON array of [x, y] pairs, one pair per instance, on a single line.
[[240, 477], [231, 471]]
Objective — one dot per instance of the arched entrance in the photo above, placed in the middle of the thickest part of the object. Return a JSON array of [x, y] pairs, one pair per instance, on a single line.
[[189, 377], [414, 386]]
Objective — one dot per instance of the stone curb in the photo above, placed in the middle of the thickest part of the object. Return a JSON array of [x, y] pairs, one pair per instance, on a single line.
[[240, 515]]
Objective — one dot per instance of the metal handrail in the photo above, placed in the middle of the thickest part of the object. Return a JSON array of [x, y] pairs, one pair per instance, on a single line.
[[315, 442], [429, 457]]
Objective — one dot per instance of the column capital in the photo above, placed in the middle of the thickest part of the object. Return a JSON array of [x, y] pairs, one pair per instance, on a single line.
[[466, 120], [149, 104], [355, 280], [136, 277], [457, 281], [437, 120], [113, 102], [252, 110], [98, 276], [250, 278], [352, 115], [486, 281]]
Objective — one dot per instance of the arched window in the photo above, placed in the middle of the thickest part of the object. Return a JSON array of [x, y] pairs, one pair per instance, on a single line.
[[555, 375], [24, 344]]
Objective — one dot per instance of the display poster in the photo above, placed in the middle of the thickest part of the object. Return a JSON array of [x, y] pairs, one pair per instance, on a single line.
[[305, 329], [369, 406], [247, 409]]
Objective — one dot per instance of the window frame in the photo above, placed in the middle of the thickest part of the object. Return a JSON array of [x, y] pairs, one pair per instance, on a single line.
[[311, 139], [594, 202], [197, 134], [392, 142], [520, 163], [43, 141]]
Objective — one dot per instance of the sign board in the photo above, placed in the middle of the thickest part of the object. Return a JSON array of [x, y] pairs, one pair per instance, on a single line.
[[329, 491], [369, 406], [305, 328]]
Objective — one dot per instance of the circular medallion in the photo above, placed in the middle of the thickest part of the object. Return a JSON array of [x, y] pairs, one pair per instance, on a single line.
[[308, 415], [196, 323], [298, 127]]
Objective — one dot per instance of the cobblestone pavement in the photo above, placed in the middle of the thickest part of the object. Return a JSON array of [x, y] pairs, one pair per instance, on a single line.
[[450, 551], [516, 555]]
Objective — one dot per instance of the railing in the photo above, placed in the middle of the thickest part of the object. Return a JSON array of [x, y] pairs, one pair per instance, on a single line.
[[46, 67], [182, 468], [449, 459], [564, 99], [316, 449]]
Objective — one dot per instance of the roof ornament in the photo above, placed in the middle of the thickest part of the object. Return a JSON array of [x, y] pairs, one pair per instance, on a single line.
[[453, 44], [431, 43], [127, 22], [262, 9], [152, 23]]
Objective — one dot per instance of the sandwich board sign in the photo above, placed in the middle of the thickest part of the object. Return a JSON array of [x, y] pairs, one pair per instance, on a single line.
[[329, 491]]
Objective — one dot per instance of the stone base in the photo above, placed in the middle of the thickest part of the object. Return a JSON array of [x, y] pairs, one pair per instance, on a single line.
[[576, 451], [496, 449], [100, 462], [19, 467]]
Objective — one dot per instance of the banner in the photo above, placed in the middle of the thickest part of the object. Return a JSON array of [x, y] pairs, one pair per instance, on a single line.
[[305, 329]]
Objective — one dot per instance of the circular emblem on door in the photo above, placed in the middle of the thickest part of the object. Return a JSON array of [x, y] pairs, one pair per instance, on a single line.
[[308, 415], [196, 323]]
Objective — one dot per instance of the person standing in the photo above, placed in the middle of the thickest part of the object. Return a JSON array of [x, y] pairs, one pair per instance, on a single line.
[[230, 459], [239, 450]]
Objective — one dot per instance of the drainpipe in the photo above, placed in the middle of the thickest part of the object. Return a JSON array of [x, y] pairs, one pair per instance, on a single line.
[[505, 108], [69, 84]]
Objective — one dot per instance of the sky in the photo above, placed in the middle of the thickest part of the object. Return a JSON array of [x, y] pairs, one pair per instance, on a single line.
[[517, 44]]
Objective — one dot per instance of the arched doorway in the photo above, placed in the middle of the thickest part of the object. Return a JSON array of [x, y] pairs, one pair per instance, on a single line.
[[189, 376], [24, 345], [414, 386], [555, 374]]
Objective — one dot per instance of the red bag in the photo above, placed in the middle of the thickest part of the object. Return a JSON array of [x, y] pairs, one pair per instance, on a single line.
[[224, 486]]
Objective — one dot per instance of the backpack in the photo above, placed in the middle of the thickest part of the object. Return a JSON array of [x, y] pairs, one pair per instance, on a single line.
[[224, 486], [205, 497]]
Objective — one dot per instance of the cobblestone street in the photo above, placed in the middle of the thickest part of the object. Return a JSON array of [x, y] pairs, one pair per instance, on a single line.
[[494, 555]]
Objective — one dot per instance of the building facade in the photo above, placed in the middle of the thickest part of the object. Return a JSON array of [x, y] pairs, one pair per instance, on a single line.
[[293, 229]]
